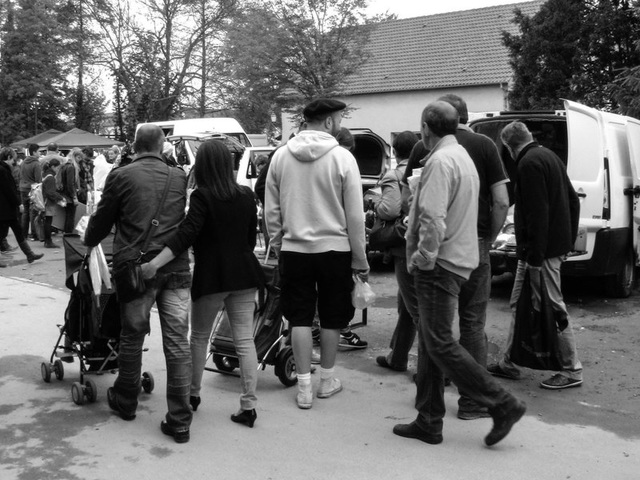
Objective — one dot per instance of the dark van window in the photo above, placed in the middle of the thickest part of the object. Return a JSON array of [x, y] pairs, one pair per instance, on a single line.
[[369, 155]]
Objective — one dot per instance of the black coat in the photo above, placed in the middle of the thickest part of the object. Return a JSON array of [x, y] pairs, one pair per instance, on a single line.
[[223, 235], [9, 197], [547, 208]]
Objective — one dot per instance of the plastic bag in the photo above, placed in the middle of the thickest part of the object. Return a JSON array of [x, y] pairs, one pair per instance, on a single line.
[[81, 226], [36, 197], [535, 336], [99, 270], [362, 295]]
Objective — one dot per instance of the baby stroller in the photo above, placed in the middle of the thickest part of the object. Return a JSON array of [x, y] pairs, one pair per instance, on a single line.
[[91, 329], [269, 331]]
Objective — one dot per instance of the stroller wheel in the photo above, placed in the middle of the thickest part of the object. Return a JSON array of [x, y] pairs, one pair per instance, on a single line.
[[147, 382], [77, 393], [285, 367], [91, 390], [45, 370], [223, 363], [58, 369]]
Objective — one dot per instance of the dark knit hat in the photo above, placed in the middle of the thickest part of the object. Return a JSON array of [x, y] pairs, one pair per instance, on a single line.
[[321, 107]]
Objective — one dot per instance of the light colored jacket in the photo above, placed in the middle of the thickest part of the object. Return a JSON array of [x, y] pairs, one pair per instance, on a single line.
[[444, 212], [313, 198]]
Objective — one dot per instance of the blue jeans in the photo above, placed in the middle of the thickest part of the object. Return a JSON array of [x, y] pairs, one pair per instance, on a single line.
[[405, 332], [240, 307], [170, 292], [472, 309], [439, 353], [567, 351]]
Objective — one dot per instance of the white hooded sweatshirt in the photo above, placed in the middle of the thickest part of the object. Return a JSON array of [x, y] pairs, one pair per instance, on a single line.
[[313, 198]]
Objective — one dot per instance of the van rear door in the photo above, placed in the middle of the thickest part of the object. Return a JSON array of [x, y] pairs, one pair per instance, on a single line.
[[633, 139], [588, 171]]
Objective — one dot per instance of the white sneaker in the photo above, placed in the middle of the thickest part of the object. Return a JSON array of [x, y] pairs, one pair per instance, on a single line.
[[304, 398], [329, 387]]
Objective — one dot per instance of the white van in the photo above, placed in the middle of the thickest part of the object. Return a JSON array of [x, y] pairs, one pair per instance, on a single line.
[[602, 154], [192, 126]]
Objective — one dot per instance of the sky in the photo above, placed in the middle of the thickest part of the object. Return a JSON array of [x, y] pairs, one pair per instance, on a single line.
[[418, 8]]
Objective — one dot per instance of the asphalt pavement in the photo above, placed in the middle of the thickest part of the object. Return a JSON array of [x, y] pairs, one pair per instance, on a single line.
[[45, 435]]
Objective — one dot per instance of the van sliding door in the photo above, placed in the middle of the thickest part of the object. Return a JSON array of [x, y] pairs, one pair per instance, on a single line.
[[633, 139], [587, 169]]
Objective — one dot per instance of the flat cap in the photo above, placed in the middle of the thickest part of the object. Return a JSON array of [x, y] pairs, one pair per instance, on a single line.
[[323, 106]]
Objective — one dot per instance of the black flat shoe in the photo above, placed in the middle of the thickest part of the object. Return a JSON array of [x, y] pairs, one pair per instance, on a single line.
[[248, 417], [411, 430], [194, 401]]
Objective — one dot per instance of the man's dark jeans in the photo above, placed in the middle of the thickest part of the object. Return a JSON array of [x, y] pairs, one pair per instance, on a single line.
[[472, 309], [171, 296], [405, 332], [439, 352]]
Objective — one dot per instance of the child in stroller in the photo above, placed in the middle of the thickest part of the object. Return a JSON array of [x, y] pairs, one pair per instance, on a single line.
[[91, 328]]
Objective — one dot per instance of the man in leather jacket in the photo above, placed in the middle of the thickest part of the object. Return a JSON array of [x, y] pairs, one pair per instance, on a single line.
[[129, 201]]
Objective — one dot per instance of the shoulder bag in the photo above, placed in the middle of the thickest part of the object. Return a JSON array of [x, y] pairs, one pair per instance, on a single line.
[[387, 233], [128, 279]]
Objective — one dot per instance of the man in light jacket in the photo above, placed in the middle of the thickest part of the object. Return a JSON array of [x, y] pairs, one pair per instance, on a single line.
[[442, 251]]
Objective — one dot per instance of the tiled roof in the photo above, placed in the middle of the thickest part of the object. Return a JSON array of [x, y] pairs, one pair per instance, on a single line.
[[439, 51]]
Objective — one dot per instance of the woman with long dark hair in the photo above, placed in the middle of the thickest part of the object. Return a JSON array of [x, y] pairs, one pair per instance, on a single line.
[[221, 226]]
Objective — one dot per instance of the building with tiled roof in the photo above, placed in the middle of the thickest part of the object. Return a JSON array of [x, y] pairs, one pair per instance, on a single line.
[[414, 61]]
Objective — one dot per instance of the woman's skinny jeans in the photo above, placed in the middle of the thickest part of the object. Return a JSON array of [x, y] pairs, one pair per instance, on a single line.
[[240, 307]]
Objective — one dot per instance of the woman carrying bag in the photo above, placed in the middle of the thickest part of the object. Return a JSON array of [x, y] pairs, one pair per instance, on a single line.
[[221, 227]]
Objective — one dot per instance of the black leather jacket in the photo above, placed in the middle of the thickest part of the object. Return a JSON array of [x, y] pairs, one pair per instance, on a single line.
[[129, 200]]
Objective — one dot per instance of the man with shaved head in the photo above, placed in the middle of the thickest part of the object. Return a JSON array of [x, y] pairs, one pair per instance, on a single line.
[[442, 251], [130, 199]]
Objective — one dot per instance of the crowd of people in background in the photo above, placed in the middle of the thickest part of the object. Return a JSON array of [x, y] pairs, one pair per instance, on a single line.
[[65, 180]]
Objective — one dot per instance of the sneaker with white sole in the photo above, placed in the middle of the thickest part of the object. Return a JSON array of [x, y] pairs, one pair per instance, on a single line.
[[329, 387], [304, 398], [559, 381], [351, 341]]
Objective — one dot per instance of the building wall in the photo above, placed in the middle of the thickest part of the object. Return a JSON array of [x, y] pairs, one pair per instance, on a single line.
[[388, 113]]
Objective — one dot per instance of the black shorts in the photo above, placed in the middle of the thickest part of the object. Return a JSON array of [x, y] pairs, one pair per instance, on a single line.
[[324, 279]]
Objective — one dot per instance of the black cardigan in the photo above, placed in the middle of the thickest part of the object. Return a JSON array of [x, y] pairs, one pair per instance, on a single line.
[[223, 235], [9, 197], [547, 208]]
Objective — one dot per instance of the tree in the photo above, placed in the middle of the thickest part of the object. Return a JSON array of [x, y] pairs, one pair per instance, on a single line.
[[572, 49], [33, 90], [281, 53], [546, 55], [153, 63]]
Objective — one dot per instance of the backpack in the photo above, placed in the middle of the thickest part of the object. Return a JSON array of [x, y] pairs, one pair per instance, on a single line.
[[36, 197]]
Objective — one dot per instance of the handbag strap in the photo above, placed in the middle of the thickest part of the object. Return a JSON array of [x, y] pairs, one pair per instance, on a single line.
[[154, 221]]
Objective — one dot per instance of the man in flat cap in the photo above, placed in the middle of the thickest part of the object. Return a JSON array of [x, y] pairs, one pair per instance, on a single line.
[[315, 218]]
